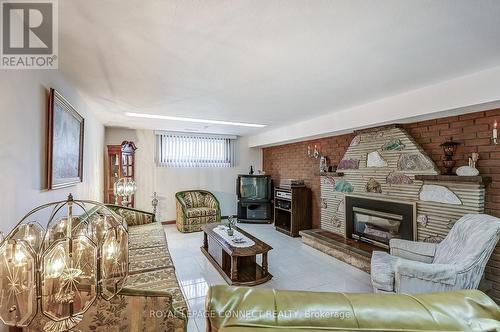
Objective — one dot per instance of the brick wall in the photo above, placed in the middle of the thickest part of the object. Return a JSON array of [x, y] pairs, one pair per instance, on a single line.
[[473, 131], [291, 161]]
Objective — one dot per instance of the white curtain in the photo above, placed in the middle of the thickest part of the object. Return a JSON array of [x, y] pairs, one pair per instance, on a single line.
[[194, 150]]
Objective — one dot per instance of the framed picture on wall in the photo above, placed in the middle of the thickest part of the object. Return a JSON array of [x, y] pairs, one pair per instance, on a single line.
[[64, 143]]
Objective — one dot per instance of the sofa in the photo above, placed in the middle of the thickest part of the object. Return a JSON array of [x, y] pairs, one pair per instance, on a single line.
[[233, 309], [151, 299], [457, 262], [196, 208]]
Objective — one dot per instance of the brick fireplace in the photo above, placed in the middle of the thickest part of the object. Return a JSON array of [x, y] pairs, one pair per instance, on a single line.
[[471, 130]]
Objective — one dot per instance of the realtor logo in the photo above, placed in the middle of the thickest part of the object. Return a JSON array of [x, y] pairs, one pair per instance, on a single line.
[[29, 37]]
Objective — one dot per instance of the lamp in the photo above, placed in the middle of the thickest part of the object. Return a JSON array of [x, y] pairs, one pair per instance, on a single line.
[[124, 188], [154, 203], [61, 269], [449, 148]]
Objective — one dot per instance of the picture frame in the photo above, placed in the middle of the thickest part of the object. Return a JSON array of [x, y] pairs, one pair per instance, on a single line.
[[65, 140]]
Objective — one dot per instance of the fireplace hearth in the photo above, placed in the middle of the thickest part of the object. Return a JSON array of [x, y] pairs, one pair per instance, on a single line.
[[377, 220]]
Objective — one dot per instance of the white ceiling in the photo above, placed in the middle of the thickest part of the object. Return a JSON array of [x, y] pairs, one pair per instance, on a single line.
[[271, 62]]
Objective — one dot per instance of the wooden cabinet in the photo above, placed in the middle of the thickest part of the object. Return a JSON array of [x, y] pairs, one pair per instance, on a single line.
[[120, 163], [292, 210]]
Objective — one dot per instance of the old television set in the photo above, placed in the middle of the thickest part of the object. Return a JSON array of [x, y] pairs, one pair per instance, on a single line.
[[254, 198], [254, 187]]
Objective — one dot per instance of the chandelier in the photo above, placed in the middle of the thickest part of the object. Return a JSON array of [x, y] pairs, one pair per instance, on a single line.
[[124, 188], [60, 270]]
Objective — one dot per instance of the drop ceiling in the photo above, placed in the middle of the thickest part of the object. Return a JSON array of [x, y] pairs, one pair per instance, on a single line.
[[265, 62]]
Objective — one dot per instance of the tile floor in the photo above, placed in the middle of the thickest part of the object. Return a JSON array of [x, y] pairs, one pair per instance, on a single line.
[[294, 266]]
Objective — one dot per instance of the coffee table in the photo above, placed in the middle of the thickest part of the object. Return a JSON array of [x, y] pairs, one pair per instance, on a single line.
[[237, 265]]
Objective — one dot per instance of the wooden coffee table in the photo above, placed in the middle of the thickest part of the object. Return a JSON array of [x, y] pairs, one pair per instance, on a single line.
[[237, 265]]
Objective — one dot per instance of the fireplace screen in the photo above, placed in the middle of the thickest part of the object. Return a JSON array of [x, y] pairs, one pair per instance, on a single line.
[[375, 225], [377, 221]]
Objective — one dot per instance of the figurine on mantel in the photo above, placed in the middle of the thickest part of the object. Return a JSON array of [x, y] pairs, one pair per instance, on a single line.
[[470, 170], [323, 165], [449, 148]]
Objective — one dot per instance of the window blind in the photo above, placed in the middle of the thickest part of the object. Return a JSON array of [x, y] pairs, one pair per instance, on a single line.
[[194, 150]]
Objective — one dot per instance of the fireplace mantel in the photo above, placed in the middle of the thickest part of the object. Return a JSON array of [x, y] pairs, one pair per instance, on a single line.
[[485, 180]]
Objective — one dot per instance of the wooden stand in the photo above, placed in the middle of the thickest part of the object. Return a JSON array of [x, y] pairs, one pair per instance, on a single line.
[[292, 214]]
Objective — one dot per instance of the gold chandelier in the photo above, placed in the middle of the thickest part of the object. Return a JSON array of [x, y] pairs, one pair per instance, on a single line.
[[60, 271]]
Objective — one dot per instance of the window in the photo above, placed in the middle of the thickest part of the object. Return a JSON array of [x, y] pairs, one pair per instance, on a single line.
[[194, 150]]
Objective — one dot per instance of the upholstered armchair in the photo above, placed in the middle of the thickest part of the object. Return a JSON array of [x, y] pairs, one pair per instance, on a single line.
[[196, 208], [457, 262]]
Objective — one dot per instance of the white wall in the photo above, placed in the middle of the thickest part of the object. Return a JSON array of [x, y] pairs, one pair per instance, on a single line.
[[167, 181], [471, 93], [23, 112]]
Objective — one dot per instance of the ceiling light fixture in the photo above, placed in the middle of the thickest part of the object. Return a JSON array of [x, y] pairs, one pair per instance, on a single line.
[[178, 118]]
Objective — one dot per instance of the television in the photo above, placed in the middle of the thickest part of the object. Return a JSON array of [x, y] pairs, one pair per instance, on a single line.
[[254, 187]]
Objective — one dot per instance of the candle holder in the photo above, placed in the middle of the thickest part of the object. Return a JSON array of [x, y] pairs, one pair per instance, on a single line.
[[494, 137], [449, 148], [313, 153]]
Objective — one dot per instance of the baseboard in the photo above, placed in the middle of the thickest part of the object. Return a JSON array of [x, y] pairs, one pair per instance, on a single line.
[[168, 222]]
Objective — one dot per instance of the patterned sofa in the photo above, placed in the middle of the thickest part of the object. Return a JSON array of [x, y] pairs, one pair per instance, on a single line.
[[196, 208], [151, 299]]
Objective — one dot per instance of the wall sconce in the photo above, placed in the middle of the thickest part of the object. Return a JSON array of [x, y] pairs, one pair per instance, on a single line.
[[313, 153], [494, 138]]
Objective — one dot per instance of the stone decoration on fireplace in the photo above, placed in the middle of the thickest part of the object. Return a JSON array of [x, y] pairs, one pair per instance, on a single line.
[[405, 160], [439, 194]]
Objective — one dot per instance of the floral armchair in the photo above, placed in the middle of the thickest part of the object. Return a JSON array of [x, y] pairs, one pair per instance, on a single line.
[[196, 208]]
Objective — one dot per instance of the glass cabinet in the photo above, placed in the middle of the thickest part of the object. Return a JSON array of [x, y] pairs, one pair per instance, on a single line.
[[120, 163]]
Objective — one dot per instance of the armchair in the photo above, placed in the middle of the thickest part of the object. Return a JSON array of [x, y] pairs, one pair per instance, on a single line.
[[196, 208], [457, 262]]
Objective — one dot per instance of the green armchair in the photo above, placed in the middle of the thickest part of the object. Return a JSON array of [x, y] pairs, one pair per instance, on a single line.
[[196, 208]]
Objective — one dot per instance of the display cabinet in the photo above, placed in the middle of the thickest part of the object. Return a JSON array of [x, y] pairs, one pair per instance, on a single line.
[[120, 163]]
